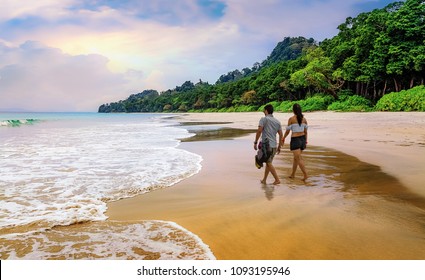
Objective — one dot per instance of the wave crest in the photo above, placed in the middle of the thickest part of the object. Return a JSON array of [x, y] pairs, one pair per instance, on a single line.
[[16, 123]]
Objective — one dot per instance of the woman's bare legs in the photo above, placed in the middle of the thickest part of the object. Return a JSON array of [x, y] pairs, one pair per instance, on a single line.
[[298, 161]]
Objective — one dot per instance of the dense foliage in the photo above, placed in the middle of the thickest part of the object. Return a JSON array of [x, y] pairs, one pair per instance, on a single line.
[[405, 100], [374, 54]]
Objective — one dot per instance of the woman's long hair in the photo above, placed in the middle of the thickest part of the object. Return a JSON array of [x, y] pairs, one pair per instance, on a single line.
[[298, 112]]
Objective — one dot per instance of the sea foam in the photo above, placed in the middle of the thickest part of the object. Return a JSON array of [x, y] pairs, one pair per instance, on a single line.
[[144, 240], [65, 173], [58, 175]]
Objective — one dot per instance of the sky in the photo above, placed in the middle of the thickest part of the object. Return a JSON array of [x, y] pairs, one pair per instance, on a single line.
[[74, 55]]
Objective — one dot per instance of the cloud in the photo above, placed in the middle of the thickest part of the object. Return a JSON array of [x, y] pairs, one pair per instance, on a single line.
[[278, 19], [39, 78], [46, 9]]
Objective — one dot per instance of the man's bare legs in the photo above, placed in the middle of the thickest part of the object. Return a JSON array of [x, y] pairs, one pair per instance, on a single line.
[[298, 161], [270, 168]]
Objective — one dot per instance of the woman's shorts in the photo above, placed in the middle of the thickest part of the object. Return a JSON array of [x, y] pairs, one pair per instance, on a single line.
[[298, 143]]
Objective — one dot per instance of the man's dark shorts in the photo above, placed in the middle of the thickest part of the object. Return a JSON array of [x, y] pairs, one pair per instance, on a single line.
[[298, 143], [274, 150]]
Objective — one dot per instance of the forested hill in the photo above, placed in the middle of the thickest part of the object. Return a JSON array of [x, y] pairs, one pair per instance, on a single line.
[[374, 53]]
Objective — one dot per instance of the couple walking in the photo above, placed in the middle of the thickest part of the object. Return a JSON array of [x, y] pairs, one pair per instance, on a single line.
[[269, 126]]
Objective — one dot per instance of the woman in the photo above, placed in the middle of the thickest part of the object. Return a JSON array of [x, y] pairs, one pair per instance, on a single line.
[[298, 125]]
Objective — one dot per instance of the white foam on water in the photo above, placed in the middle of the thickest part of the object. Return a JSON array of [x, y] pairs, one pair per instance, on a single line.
[[108, 240], [63, 174]]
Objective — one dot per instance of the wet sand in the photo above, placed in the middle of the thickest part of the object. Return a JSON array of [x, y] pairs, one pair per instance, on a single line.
[[365, 197], [393, 141]]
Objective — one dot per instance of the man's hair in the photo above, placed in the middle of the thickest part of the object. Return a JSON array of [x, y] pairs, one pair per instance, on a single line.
[[269, 108]]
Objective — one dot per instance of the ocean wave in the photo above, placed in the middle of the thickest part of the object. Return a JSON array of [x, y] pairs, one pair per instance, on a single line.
[[63, 175], [56, 182], [16, 123], [143, 240]]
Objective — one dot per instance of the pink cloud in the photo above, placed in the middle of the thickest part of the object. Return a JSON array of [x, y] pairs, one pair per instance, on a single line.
[[35, 77]]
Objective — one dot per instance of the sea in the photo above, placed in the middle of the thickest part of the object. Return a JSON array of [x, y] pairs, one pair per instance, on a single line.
[[58, 171]]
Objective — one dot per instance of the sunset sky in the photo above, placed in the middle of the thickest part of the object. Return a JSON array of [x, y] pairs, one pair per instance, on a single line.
[[74, 55]]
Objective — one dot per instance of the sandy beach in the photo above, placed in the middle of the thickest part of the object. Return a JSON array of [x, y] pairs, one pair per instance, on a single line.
[[365, 198]]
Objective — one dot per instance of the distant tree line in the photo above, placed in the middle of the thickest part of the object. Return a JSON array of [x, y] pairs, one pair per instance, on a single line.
[[373, 54]]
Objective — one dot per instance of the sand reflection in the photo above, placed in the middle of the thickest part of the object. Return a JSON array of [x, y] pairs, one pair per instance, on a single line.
[[348, 209]]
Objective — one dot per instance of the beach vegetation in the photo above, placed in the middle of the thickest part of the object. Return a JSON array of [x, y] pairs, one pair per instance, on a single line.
[[377, 58], [351, 103], [405, 100], [318, 102]]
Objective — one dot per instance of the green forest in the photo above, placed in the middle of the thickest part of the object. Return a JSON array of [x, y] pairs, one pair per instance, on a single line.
[[376, 62]]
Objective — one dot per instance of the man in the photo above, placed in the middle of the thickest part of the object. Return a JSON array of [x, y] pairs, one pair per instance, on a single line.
[[268, 127]]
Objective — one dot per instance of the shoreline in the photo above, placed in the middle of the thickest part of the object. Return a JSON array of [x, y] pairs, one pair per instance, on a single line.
[[239, 218]]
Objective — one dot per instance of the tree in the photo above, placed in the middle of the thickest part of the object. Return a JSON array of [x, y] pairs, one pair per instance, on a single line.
[[407, 52], [288, 49], [317, 74]]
